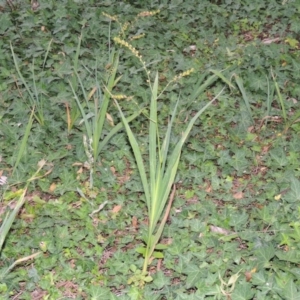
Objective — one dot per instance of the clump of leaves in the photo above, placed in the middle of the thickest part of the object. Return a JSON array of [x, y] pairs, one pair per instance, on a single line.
[[162, 165]]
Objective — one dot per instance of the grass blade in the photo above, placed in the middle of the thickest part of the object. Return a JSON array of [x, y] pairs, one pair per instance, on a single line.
[[31, 97], [221, 76], [153, 136], [137, 155], [10, 217], [209, 81], [83, 114], [280, 99], [114, 130], [24, 141], [47, 53], [244, 94]]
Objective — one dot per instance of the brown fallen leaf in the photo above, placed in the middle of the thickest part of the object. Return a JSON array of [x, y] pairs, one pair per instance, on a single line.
[[238, 195], [52, 187], [134, 222], [116, 209], [219, 230]]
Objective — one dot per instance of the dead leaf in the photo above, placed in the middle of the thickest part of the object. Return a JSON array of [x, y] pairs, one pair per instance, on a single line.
[[208, 189], [250, 129], [116, 209], [92, 92], [277, 197], [219, 230], [52, 187], [80, 171], [269, 40], [248, 276], [110, 119], [134, 222], [238, 195], [113, 170]]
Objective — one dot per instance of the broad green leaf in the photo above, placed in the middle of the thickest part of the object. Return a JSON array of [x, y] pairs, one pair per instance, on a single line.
[[160, 280], [238, 220], [292, 256], [141, 250], [194, 274], [265, 254], [243, 292], [294, 194], [161, 247], [259, 278], [157, 254], [279, 156], [291, 291]]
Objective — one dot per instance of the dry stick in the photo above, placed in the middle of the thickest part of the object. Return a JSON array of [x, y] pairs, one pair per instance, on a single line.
[[32, 256], [169, 204]]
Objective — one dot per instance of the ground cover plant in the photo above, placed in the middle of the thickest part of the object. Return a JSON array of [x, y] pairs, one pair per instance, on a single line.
[[232, 231]]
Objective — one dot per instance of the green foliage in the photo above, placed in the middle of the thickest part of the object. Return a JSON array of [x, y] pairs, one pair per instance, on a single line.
[[233, 227], [163, 164]]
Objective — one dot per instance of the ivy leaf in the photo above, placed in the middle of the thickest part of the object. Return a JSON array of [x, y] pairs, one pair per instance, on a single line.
[[290, 291], [98, 292], [194, 274], [279, 156], [160, 280], [294, 194], [238, 220], [243, 292], [239, 162], [295, 26], [265, 254], [292, 256]]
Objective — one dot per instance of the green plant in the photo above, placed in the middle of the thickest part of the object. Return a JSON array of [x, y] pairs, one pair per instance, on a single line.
[[94, 115], [23, 144], [282, 105], [11, 215], [240, 84], [36, 100], [237, 188], [163, 165]]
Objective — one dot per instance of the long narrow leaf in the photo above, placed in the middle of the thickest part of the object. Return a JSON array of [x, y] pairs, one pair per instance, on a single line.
[[171, 170], [137, 155], [104, 105], [202, 87], [21, 76], [75, 64], [83, 114], [33, 101], [10, 217], [280, 99], [38, 103], [24, 141], [244, 94], [6, 225], [47, 53], [114, 130], [164, 220], [221, 76], [158, 200], [269, 100], [166, 142], [153, 136]]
